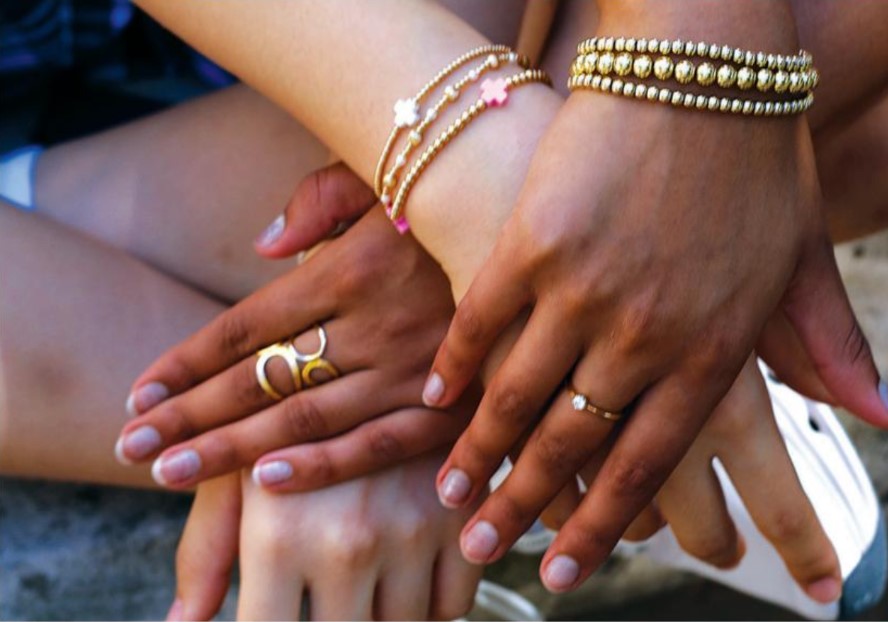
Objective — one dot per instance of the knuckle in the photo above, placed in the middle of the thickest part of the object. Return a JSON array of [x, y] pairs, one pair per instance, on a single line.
[[386, 445], [220, 452], [234, 334], [468, 325], [786, 526], [304, 420], [316, 468], [512, 406], [632, 478], [557, 454], [176, 419], [716, 550], [638, 326], [352, 545], [512, 513]]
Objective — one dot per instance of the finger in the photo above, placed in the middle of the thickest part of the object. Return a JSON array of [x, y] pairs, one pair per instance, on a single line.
[[780, 347], [645, 525], [655, 437], [405, 588], [494, 299], [269, 315], [818, 308], [562, 506], [455, 583], [693, 504], [346, 593], [370, 447], [555, 452], [270, 588], [309, 415], [515, 397], [207, 550], [234, 394], [766, 481], [323, 200]]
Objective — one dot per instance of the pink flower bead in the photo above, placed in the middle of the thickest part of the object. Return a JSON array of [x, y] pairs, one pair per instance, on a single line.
[[402, 225], [494, 92]]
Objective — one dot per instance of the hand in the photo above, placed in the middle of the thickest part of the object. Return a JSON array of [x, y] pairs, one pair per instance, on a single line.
[[384, 305], [379, 547], [641, 297], [743, 436]]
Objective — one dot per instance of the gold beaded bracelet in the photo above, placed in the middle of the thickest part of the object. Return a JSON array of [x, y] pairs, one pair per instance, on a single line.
[[685, 71], [451, 94], [407, 110], [494, 93], [684, 99]]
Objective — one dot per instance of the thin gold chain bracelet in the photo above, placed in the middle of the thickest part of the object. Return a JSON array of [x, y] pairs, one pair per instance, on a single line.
[[494, 93], [407, 112]]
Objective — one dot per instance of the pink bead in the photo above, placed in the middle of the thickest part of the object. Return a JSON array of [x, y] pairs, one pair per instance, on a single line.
[[402, 225], [494, 92]]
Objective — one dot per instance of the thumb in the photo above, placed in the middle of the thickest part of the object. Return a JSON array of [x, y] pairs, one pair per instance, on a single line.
[[324, 200], [207, 550], [818, 308]]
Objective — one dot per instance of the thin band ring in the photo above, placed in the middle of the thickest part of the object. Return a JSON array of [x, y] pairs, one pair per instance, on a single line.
[[286, 352], [315, 365], [581, 403], [307, 358]]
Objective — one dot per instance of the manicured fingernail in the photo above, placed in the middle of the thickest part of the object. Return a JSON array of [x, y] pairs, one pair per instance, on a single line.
[[480, 542], [176, 468], [561, 573], [825, 590], [175, 612], [138, 444], [883, 392], [433, 390], [273, 472], [273, 232], [454, 489], [145, 398]]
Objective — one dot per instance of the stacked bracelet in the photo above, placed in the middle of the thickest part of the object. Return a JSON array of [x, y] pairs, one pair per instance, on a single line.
[[407, 110], [414, 138], [494, 93], [600, 58]]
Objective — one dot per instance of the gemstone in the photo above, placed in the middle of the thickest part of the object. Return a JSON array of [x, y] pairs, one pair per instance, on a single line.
[[579, 402], [406, 112]]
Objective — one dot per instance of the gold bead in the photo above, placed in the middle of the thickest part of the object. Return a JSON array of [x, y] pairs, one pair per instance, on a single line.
[[605, 83], [664, 96], [724, 104], [815, 78], [620, 44], [684, 71], [705, 74], [689, 100], [726, 52], [609, 44], [642, 66], [795, 82], [702, 48], [747, 107], [588, 78], [746, 78], [630, 44], [761, 60], [689, 48], [700, 102], [663, 47], [712, 102], [623, 64], [677, 47], [772, 62], [676, 98], [616, 85], [749, 59], [628, 89], [599, 45], [596, 81], [781, 82], [727, 76], [653, 46], [605, 63], [640, 91], [652, 93], [590, 62], [764, 80], [769, 109], [663, 68], [736, 106], [759, 109], [737, 56]]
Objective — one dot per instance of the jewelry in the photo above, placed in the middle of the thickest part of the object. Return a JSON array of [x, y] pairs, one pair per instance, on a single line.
[[494, 93], [292, 357], [315, 361], [414, 138], [678, 98], [288, 353], [407, 110], [581, 403]]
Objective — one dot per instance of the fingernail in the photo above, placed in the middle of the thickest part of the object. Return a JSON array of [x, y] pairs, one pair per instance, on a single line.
[[138, 444], [273, 472], [433, 390], [825, 590], [454, 489], [480, 542], [883, 392], [145, 398], [273, 232], [176, 468], [561, 573], [175, 612]]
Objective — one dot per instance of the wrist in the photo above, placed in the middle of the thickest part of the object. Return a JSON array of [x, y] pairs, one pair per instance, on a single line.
[[769, 26]]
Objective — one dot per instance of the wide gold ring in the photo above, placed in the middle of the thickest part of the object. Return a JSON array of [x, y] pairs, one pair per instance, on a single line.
[[581, 403], [285, 351]]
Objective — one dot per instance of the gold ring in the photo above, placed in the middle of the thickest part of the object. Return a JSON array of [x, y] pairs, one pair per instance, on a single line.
[[318, 364], [307, 358], [288, 353], [581, 403]]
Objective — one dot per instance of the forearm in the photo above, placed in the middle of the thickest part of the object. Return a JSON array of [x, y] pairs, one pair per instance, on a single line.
[[338, 67]]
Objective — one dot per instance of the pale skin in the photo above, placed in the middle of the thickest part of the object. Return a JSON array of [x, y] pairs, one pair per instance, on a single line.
[[272, 69]]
